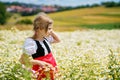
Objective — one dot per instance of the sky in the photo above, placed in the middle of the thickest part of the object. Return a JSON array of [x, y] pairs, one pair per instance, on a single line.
[[60, 2]]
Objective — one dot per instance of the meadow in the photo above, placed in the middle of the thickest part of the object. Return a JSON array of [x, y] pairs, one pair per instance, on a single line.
[[81, 55]]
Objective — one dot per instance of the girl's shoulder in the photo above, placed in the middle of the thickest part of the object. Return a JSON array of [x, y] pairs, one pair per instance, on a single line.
[[29, 41], [29, 46]]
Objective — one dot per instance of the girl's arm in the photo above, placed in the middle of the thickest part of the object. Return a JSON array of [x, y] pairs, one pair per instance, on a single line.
[[40, 63], [27, 61], [55, 37]]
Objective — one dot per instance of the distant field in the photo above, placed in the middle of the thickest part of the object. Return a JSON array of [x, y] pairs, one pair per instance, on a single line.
[[88, 16], [82, 18]]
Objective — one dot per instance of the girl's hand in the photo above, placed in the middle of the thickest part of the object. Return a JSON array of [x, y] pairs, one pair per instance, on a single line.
[[26, 68], [49, 33]]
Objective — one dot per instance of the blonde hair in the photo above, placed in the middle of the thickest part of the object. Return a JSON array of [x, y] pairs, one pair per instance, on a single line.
[[42, 21]]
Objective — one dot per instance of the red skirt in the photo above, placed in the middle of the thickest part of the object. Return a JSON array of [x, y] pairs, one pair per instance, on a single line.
[[48, 59]]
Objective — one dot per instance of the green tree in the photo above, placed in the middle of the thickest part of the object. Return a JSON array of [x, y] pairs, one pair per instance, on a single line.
[[2, 13], [111, 4]]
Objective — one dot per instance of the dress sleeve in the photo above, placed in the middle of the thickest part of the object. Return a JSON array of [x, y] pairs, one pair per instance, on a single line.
[[29, 46], [50, 39]]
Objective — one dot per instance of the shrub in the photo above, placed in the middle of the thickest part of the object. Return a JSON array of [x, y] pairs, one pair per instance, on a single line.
[[25, 21]]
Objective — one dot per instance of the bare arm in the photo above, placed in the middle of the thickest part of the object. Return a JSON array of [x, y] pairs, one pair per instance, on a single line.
[[40, 63], [27, 61], [55, 37]]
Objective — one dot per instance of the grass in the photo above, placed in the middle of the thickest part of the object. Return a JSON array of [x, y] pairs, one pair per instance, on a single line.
[[103, 26], [110, 14]]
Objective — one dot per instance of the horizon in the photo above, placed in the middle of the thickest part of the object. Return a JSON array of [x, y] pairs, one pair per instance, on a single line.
[[72, 3]]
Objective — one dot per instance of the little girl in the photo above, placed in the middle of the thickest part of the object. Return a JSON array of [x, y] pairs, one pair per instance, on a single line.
[[38, 47]]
